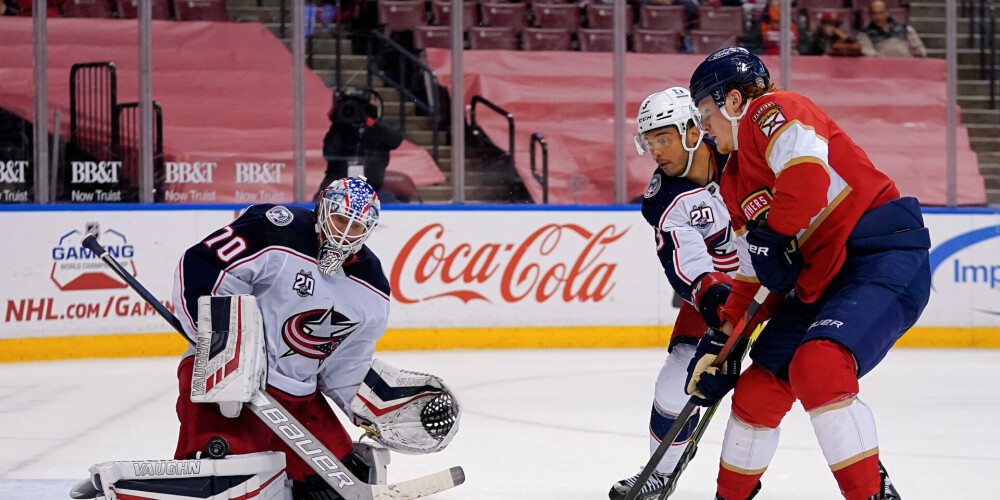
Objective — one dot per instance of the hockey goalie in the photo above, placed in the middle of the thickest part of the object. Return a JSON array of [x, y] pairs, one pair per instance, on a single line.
[[283, 307]]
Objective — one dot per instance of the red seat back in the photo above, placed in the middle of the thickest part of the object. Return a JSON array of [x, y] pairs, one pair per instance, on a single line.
[[492, 38], [437, 37], [200, 10], [721, 19], [813, 17], [706, 42], [663, 17], [596, 40], [600, 16], [129, 9], [510, 15], [656, 42], [86, 8], [441, 13], [557, 15], [546, 39]]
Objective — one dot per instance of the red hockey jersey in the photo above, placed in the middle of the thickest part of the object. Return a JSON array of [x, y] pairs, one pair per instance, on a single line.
[[797, 166]]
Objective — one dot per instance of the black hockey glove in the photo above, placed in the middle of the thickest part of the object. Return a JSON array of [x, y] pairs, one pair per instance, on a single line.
[[710, 292], [705, 383], [775, 257]]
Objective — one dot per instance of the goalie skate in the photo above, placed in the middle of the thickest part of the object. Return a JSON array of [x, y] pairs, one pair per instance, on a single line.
[[652, 490]]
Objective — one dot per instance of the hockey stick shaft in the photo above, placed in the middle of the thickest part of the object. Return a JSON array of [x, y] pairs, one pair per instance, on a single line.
[[741, 329], [291, 431]]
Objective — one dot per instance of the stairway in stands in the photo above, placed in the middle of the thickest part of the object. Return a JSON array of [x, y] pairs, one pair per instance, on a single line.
[[982, 121], [481, 184]]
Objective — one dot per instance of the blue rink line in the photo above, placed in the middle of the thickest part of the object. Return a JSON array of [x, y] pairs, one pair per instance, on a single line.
[[125, 207]]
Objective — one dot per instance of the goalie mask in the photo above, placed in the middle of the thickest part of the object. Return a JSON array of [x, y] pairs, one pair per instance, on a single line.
[[346, 213], [406, 411]]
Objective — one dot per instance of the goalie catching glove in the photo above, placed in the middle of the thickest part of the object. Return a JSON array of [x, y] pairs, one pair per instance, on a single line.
[[406, 411]]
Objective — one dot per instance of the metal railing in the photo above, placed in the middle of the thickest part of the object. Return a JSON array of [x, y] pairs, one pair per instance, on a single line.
[[127, 144], [93, 97], [982, 36], [543, 178], [409, 66], [477, 130]]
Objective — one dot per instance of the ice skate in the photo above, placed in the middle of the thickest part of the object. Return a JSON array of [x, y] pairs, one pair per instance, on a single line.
[[650, 491], [888, 490]]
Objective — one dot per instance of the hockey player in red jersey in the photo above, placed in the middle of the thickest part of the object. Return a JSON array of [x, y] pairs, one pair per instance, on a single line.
[[818, 222], [696, 248]]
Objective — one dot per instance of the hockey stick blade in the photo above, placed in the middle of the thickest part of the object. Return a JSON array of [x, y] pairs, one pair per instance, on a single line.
[[689, 407], [291, 431]]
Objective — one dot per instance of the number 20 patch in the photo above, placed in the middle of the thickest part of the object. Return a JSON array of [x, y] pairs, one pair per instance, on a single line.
[[702, 216]]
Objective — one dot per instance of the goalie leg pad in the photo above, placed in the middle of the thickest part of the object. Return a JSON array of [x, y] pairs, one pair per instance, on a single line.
[[258, 475], [230, 364], [406, 411]]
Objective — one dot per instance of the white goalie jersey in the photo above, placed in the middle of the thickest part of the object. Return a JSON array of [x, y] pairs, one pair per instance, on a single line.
[[320, 330]]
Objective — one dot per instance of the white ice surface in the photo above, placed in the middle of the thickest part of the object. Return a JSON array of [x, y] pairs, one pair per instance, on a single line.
[[538, 424]]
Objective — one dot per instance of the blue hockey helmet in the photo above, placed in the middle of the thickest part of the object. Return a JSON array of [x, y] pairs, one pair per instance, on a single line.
[[731, 65]]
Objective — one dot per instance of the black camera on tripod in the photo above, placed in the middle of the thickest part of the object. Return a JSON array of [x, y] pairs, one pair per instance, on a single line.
[[353, 106]]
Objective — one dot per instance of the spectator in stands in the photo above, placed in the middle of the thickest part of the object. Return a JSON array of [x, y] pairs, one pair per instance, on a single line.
[[830, 40], [359, 141], [764, 36], [885, 37], [9, 8]]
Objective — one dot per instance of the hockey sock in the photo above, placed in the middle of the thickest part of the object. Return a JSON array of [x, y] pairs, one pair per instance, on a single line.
[[746, 453], [823, 376], [760, 401], [659, 423]]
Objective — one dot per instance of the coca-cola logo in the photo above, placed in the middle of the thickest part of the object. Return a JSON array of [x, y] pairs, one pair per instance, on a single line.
[[556, 261]]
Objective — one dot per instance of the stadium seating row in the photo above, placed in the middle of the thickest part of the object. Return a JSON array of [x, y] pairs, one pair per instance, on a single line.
[[184, 10], [589, 40]]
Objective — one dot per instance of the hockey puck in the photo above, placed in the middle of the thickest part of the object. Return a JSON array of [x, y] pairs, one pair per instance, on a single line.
[[217, 447]]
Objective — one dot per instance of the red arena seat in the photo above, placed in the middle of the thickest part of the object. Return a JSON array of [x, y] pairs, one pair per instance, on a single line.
[[492, 38], [819, 4], [200, 10], [437, 37], [721, 19], [706, 42], [557, 15], [86, 8], [509, 15], [441, 13], [663, 17], [401, 15], [600, 16], [129, 9], [596, 40], [656, 42], [546, 39]]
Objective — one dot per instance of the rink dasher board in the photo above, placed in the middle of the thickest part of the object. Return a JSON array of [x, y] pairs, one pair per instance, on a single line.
[[461, 277]]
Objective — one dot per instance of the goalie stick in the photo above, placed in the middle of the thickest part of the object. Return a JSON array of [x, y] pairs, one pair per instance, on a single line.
[[742, 328], [292, 432]]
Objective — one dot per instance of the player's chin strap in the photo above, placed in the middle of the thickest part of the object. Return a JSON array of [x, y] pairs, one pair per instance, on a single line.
[[735, 122], [690, 151]]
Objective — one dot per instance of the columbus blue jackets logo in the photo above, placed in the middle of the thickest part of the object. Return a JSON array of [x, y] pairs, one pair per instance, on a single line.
[[654, 186], [316, 333]]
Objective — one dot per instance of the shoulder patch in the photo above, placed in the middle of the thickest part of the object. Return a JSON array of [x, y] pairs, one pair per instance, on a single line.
[[771, 120], [654, 186], [280, 215], [756, 204]]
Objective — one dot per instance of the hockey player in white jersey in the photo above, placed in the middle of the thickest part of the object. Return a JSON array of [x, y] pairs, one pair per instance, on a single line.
[[696, 248], [324, 301]]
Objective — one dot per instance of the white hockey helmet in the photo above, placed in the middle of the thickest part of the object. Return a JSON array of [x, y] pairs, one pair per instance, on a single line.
[[673, 106], [352, 201]]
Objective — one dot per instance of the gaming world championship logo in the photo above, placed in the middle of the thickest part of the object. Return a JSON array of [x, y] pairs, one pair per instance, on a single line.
[[77, 268]]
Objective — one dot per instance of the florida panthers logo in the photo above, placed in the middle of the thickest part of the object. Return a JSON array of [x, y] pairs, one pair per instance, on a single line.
[[317, 333]]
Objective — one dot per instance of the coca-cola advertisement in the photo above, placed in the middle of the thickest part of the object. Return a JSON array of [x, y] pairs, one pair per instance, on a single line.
[[520, 268]]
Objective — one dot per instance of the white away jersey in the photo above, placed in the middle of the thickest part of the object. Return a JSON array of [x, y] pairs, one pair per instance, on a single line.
[[320, 330], [691, 225]]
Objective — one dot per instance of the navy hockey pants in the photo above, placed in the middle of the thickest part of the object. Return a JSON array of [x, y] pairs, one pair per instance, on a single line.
[[878, 294]]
